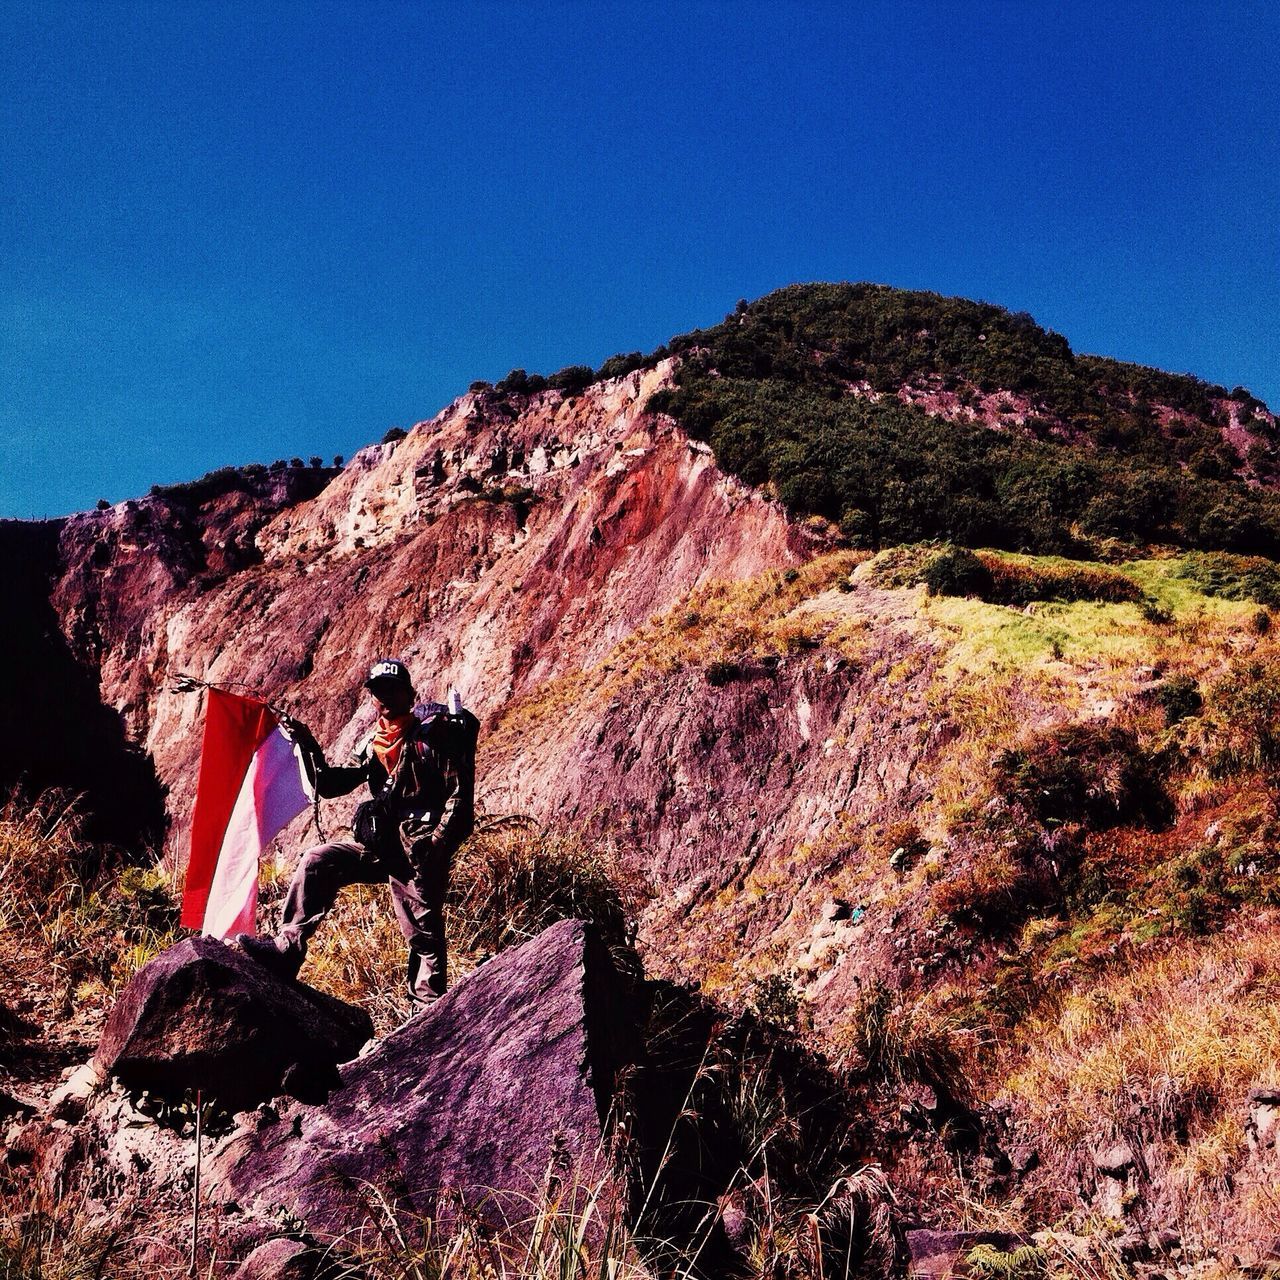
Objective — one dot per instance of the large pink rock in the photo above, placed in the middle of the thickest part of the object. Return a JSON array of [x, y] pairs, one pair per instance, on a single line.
[[203, 1015], [506, 1078]]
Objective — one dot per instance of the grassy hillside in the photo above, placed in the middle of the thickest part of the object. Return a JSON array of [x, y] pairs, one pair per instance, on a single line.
[[1066, 917], [981, 807]]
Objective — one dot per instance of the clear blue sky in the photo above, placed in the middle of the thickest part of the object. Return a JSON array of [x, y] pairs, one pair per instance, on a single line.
[[241, 231]]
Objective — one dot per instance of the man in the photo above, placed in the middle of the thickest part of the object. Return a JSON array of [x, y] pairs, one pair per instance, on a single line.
[[421, 778]]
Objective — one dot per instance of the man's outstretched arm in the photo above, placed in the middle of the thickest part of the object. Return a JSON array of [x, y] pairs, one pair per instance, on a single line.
[[328, 780]]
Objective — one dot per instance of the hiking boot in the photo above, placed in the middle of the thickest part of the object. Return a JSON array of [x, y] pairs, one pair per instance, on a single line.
[[269, 954]]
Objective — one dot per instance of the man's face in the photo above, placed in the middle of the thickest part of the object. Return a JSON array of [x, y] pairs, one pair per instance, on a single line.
[[391, 698]]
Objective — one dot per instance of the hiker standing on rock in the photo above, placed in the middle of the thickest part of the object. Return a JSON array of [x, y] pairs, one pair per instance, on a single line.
[[419, 765]]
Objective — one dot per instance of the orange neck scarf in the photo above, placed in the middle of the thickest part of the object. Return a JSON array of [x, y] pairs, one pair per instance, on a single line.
[[389, 739]]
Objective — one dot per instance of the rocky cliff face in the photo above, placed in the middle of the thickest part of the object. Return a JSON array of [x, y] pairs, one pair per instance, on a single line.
[[727, 782], [506, 542]]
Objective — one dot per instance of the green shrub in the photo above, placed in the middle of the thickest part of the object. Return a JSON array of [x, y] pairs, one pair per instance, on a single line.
[[1154, 612], [572, 380], [956, 572], [1248, 701], [145, 901], [774, 1000], [1027, 1262], [1018, 582], [1179, 697], [1233, 577], [620, 365], [520, 383], [1001, 579], [1095, 775]]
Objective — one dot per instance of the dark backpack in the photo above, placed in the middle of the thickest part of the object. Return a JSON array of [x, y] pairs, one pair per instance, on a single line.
[[451, 737]]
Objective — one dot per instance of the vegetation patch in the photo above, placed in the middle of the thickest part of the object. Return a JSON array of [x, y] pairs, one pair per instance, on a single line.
[[955, 571], [1021, 580], [985, 1262], [888, 1041], [799, 390], [1247, 705], [999, 884], [1005, 579], [984, 637], [1231, 577], [1163, 1050], [70, 910], [1096, 775]]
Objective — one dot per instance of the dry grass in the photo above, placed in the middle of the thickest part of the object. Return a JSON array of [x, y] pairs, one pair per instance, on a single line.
[[508, 884], [44, 1238], [1165, 1054], [887, 1040], [69, 910], [573, 1231], [1177, 1039], [44, 858]]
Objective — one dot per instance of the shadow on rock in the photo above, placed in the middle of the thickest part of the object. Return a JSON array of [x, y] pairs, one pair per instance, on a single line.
[[68, 738], [552, 1079]]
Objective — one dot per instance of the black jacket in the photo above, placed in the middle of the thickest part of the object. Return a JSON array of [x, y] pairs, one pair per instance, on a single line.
[[431, 795]]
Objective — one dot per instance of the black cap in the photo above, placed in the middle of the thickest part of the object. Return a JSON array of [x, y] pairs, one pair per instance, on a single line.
[[389, 669]]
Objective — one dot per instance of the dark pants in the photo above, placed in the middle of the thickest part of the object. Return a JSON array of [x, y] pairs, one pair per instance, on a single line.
[[417, 899]]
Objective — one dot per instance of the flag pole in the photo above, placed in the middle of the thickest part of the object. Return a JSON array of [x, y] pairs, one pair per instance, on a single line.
[[195, 1195]]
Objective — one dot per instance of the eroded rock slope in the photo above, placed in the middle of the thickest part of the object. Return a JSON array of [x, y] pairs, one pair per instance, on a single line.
[[501, 544]]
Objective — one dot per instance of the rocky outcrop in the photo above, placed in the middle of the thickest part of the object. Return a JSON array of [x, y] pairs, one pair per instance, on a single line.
[[286, 1259], [552, 1079], [507, 541], [506, 1081], [123, 568], [205, 1016]]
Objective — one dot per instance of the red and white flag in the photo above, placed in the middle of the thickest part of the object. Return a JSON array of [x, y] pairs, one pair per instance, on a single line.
[[252, 783]]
